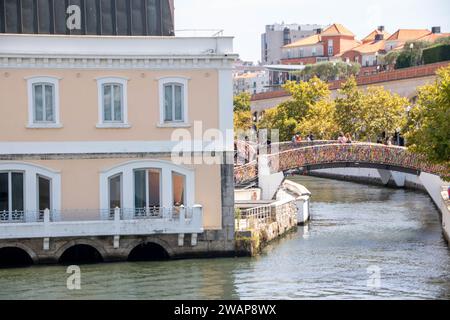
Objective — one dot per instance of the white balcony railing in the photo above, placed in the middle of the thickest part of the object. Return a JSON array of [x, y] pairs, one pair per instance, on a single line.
[[118, 222]]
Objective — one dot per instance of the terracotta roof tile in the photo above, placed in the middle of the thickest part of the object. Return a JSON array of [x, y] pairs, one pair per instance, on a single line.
[[371, 36], [409, 34], [337, 29], [309, 41]]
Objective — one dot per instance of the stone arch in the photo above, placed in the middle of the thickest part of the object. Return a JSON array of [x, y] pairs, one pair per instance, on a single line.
[[33, 256], [87, 242], [163, 244]]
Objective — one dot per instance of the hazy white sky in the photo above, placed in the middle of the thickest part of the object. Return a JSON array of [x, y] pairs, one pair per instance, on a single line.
[[246, 19]]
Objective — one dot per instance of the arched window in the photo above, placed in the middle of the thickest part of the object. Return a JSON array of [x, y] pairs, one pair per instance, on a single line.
[[147, 187], [26, 190], [43, 102], [112, 101], [173, 101]]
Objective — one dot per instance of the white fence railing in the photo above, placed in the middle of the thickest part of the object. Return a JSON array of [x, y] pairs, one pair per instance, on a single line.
[[279, 211], [117, 222]]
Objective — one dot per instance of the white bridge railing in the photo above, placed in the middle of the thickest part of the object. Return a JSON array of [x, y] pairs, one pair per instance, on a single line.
[[116, 222]]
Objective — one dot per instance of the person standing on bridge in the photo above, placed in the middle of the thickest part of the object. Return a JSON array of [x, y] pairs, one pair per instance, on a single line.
[[348, 138], [342, 139]]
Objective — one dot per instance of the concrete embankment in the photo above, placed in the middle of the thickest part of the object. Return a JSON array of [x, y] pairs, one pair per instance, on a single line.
[[258, 222]]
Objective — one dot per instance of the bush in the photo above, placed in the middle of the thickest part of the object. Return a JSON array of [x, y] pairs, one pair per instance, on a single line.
[[436, 54]]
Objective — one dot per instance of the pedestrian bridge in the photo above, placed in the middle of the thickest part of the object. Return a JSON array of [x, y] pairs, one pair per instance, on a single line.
[[290, 156]]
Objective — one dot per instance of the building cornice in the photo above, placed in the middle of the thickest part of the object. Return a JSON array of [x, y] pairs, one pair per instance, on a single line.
[[116, 62], [100, 52]]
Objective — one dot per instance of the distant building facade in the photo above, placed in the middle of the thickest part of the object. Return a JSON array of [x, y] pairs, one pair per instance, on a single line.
[[251, 82], [278, 35]]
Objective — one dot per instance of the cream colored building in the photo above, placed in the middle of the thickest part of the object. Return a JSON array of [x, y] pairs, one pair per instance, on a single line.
[[86, 128]]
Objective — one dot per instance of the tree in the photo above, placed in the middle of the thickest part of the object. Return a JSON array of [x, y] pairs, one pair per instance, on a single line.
[[411, 54], [242, 121], [276, 119], [304, 95], [381, 112], [429, 124], [241, 102], [329, 71], [309, 110], [349, 109], [389, 59], [242, 112], [320, 121]]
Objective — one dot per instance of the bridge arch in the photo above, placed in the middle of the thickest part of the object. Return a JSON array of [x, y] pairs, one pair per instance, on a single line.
[[17, 255], [149, 250], [81, 251]]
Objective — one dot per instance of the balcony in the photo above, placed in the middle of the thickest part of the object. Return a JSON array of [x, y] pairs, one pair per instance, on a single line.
[[85, 223]]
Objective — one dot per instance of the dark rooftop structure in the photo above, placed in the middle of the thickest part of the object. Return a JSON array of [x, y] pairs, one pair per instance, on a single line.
[[88, 17]]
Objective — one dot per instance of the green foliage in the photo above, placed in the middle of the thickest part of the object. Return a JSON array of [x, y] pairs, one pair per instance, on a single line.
[[309, 110], [381, 112], [429, 124], [329, 71], [390, 58], [320, 121], [304, 95], [412, 56], [349, 107], [276, 119], [443, 40], [242, 121], [364, 114], [241, 102], [436, 53], [242, 112]]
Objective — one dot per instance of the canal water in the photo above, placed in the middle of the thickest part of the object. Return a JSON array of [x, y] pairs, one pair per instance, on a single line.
[[364, 242]]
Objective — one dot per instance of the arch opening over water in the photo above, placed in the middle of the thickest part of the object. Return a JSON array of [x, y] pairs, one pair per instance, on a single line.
[[80, 254], [14, 257], [148, 251]]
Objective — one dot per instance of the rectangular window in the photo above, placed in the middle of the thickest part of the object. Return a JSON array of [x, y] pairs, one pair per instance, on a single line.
[[12, 195], [179, 187], [44, 191], [44, 103], [115, 192], [173, 103], [147, 189], [4, 193], [330, 48], [113, 103]]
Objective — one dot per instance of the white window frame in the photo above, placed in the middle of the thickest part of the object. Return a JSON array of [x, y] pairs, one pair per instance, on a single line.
[[54, 81], [108, 124], [184, 82], [10, 193], [38, 176], [31, 174], [166, 168], [147, 185]]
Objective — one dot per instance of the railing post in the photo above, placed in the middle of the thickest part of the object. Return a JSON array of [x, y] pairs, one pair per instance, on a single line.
[[197, 216], [46, 216], [117, 214], [182, 215], [116, 225]]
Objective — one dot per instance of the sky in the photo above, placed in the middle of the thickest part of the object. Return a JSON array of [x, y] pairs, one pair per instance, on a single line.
[[246, 19]]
